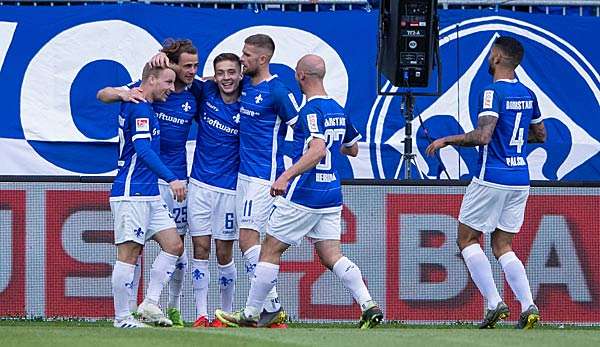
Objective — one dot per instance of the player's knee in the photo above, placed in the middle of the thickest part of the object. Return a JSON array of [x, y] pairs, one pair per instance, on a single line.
[[175, 247], [248, 238], [201, 251], [224, 255], [500, 248]]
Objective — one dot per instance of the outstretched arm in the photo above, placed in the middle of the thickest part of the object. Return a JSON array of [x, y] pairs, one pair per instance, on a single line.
[[109, 95], [482, 135]]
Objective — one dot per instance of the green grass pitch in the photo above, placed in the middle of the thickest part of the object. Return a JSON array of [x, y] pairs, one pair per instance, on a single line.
[[65, 334]]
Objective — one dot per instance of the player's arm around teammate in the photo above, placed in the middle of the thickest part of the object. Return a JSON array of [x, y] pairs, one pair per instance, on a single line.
[[138, 213]]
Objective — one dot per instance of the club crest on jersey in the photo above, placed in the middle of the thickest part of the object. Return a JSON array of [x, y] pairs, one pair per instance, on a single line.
[[311, 119], [236, 118], [186, 107], [142, 124], [258, 99], [488, 98]]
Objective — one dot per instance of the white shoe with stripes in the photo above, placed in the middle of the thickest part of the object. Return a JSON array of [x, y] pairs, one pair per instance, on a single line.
[[129, 323]]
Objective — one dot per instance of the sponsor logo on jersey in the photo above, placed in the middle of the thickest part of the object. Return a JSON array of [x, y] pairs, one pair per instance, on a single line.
[[142, 124], [488, 98], [311, 119], [212, 107], [248, 112], [216, 124], [167, 118]]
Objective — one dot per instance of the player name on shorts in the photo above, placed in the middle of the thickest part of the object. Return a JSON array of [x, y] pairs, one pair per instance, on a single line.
[[248, 112], [335, 121], [515, 161], [172, 119], [215, 123], [519, 105], [325, 177]]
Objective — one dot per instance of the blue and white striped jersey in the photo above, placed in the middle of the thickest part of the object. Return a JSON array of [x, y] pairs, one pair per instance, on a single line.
[[217, 154], [503, 162], [175, 117], [265, 111], [139, 163], [319, 189]]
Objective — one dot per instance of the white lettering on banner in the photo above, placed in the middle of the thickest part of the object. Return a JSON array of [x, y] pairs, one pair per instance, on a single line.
[[413, 255], [5, 248], [96, 253], [46, 112], [554, 235], [7, 31]]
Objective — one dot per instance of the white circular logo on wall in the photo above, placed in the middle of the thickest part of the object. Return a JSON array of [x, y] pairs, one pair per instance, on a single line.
[[290, 45], [583, 146]]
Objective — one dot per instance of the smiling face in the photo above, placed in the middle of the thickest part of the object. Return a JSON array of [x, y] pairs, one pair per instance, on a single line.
[[228, 76], [164, 84], [187, 67]]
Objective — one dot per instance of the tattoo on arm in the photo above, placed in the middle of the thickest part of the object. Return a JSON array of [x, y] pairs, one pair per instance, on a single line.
[[479, 136], [537, 133]]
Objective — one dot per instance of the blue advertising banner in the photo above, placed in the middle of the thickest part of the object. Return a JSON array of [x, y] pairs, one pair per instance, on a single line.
[[53, 60]]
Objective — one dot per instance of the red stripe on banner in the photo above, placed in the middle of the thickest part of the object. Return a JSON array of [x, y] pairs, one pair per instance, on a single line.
[[12, 294], [313, 270], [60, 265]]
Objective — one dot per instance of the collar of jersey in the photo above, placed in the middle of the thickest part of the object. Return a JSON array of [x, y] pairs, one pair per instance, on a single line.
[[514, 80], [318, 97]]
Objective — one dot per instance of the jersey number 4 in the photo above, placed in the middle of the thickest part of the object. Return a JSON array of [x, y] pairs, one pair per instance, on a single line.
[[517, 135]]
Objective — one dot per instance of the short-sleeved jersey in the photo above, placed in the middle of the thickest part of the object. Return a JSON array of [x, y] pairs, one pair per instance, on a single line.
[[265, 111], [175, 117], [503, 162], [134, 180], [217, 155], [319, 189]]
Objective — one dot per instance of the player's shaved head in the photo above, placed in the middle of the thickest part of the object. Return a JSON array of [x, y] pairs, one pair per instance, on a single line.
[[312, 65]]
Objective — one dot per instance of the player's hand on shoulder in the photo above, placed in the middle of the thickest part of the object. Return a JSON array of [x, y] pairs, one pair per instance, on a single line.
[[279, 187], [179, 189], [434, 146], [159, 59], [133, 95]]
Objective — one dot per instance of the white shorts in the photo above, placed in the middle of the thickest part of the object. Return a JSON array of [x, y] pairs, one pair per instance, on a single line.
[[253, 205], [139, 221], [178, 209], [486, 208], [211, 213], [289, 224]]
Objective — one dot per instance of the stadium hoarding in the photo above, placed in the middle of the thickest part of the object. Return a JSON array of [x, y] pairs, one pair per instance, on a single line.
[[53, 124], [56, 256]]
